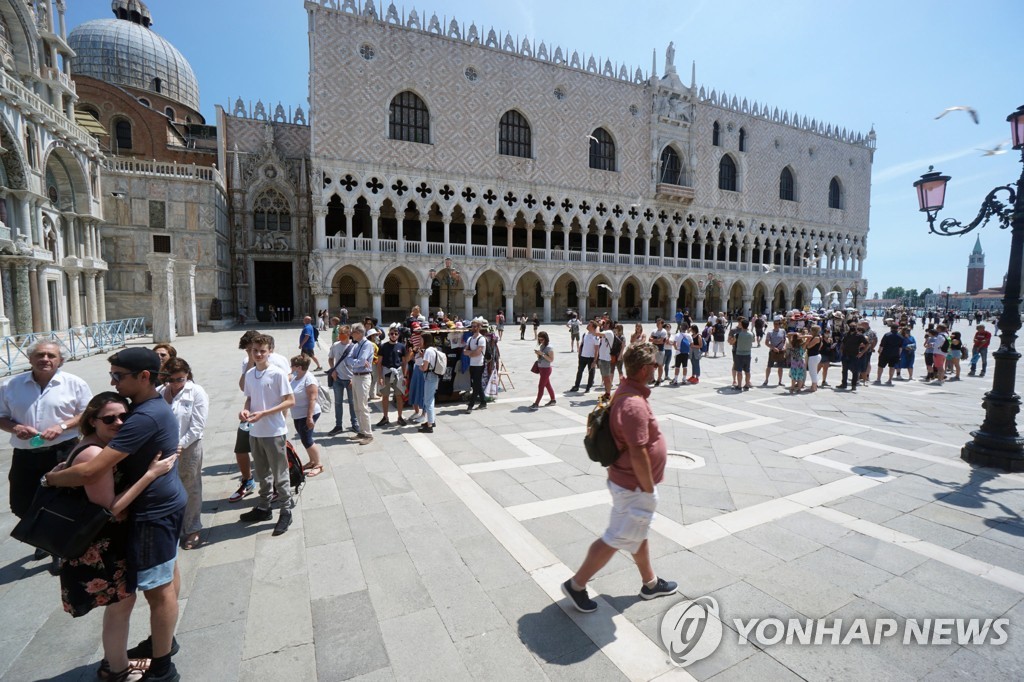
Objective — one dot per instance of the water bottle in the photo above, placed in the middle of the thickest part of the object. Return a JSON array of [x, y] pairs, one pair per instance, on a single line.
[[37, 441], [244, 426]]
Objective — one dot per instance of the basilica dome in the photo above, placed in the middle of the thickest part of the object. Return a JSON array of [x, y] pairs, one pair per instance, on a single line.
[[125, 51]]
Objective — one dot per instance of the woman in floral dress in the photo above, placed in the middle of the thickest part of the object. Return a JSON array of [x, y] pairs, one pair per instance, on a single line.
[[797, 363], [101, 576]]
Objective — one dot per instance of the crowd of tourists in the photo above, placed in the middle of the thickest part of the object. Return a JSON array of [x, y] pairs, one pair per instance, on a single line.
[[137, 451]]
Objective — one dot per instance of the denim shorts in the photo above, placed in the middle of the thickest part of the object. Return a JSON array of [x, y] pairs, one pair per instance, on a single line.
[[306, 434], [155, 548]]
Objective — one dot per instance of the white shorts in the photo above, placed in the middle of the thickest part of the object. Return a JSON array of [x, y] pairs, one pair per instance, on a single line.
[[632, 514]]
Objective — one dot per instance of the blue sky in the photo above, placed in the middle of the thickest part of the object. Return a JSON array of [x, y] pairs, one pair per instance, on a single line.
[[894, 64]]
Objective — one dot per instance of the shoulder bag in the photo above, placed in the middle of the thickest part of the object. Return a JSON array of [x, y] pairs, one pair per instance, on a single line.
[[62, 521]]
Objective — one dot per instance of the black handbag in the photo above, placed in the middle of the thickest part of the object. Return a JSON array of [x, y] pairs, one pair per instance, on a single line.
[[61, 521]]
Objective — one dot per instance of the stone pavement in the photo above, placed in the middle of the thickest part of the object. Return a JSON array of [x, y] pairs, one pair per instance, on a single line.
[[439, 557]]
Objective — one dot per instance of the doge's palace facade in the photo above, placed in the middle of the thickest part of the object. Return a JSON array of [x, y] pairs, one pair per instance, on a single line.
[[549, 180]]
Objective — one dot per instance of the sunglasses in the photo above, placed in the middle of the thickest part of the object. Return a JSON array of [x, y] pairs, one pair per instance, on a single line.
[[117, 376], [111, 418]]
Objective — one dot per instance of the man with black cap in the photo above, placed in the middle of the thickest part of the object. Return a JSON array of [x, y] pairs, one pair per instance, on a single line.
[[158, 512]]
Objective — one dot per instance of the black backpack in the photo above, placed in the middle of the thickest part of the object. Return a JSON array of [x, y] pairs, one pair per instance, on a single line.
[[296, 474], [598, 441]]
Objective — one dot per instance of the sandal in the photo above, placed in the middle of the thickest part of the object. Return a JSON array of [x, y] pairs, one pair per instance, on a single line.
[[307, 466], [139, 665], [315, 470], [191, 542]]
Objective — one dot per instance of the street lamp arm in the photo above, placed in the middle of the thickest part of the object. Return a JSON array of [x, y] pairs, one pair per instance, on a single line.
[[991, 207]]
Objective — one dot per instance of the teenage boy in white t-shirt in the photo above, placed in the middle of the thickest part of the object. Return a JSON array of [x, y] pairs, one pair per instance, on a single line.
[[268, 394]]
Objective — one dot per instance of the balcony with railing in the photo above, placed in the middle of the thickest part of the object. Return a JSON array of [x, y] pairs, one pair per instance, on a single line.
[[57, 76], [431, 249], [12, 90], [185, 171]]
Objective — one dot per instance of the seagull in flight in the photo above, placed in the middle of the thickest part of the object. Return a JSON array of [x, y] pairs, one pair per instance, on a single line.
[[832, 293], [605, 286], [998, 149], [593, 139], [969, 110], [769, 268]]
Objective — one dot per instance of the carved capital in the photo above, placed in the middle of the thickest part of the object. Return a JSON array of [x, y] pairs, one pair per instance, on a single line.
[[376, 292], [547, 294], [319, 211], [508, 294], [423, 292]]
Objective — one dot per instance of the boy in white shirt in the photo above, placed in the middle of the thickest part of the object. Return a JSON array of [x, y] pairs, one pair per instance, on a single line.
[[268, 394]]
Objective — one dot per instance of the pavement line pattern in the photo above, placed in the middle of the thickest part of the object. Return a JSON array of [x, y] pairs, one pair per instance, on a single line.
[[809, 451], [803, 413], [625, 645], [981, 569]]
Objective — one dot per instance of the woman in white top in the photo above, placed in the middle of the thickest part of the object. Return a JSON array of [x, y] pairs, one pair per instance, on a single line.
[[306, 411], [191, 406]]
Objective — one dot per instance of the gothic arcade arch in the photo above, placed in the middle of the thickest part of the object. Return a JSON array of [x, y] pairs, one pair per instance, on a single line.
[[350, 288]]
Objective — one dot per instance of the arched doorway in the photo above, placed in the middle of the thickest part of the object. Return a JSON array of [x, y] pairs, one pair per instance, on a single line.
[[350, 289]]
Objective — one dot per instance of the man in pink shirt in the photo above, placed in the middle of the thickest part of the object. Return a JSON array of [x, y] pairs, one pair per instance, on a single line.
[[632, 480], [982, 339]]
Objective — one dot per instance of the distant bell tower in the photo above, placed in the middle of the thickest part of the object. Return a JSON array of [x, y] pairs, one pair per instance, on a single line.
[[976, 269]]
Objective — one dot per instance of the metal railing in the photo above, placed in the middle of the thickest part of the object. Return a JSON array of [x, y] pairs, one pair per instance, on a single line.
[[75, 343]]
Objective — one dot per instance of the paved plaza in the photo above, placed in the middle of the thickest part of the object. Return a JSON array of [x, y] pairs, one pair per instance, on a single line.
[[439, 557]]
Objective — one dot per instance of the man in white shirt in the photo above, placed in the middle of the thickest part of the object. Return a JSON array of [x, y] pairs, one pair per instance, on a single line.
[[341, 380], [476, 346], [429, 366], [587, 357], [659, 337], [360, 364], [41, 410]]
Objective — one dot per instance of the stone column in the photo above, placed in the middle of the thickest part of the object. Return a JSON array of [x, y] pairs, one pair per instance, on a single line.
[[565, 241], [746, 301], [90, 298], [375, 231], [509, 226], [377, 296], [447, 220], [424, 302], [101, 296], [74, 295], [645, 304], [600, 245], [350, 240], [46, 324], [467, 297], [22, 299], [37, 232], [618, 235], [615, 305], [185, 298], [698, 315], [547, 242], [510, 305], [33, 289], [423, 237], [319, 227], [674, 300], [401, 232], [489, 222], [161, 265], [583, 301], [25, 228], [547, 305], [5, 287]]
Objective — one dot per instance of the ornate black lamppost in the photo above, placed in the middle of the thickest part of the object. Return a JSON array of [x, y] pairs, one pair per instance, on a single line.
[[997, 443], [947, 301], [449, 276]]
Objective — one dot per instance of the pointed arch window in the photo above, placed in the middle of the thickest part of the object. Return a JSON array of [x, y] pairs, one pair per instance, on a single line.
[[514, 135], [727, 174], [743, 139], [671, 168], [271, 212], [392, 287], [835, 194], [602, 150], [409, 118], [716, 135], [787, 191]]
